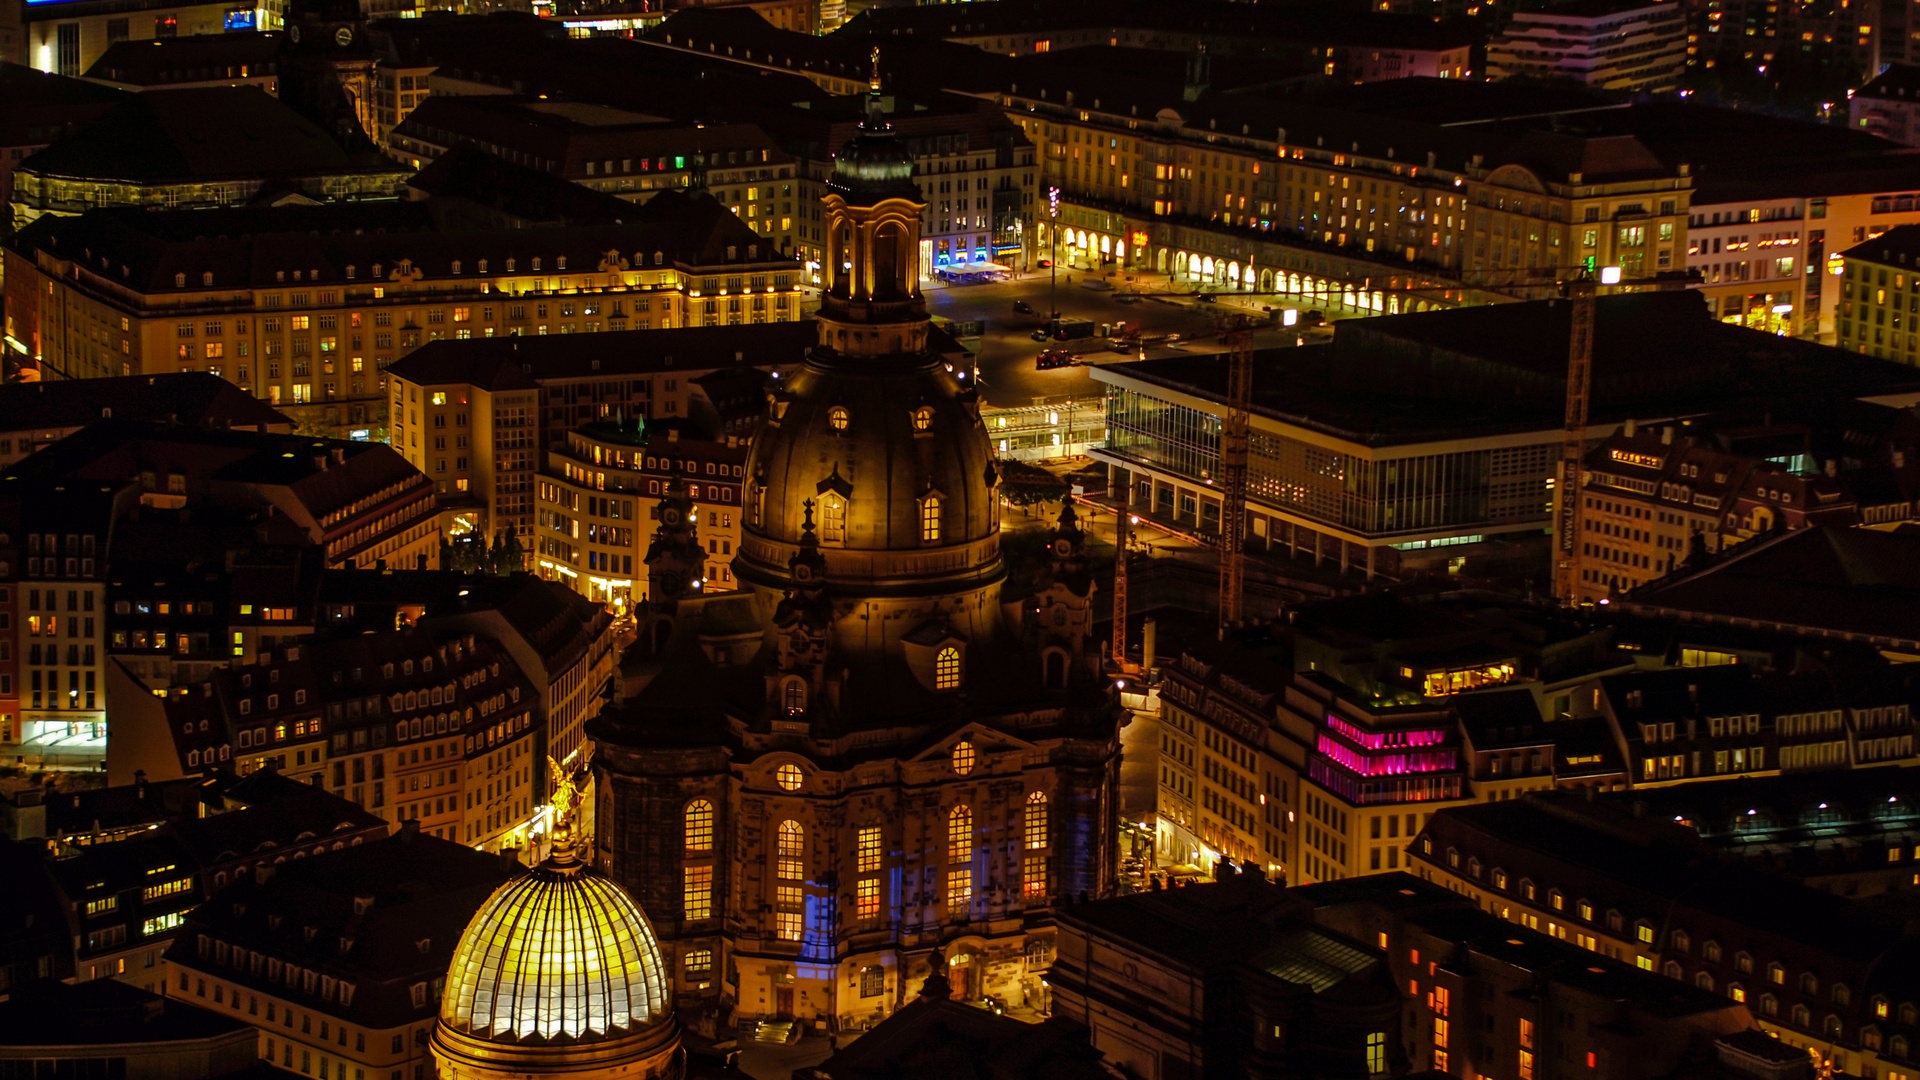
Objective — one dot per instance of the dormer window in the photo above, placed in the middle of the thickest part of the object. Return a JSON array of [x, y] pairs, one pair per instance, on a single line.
[[179, 281], [838, 417], [483, 266], [930, 519], [923, 418], [206, 277]]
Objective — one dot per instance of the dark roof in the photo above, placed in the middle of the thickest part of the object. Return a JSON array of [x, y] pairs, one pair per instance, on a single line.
[[153, 251], [1817, 581], [1896, 247], [191, 397], [504, 363], [518, 192], [194, 58], [127, 805], [936, 1038], [321, 475], [1487, 369], [103, 1012], [198, 135], [266, 809], [424, 890], [1497, 719], [36, 107], [1228, 26], [1897, 81]]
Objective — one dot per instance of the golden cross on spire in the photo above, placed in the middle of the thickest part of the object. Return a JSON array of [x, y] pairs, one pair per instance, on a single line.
[[875, 82]]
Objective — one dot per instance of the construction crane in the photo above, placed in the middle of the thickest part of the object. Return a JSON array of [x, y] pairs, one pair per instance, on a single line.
[[1233, 476]]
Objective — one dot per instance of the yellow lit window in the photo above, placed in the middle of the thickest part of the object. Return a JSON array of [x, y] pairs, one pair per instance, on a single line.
[[1377, 1053], [439, 398], [696, 895], [837, 417], [923, 418], [963, 757], [699, 825], [699, 965], [1033, 882], [946, 676], [930, 518], [960, 835], [1526, 1032], [867, 849], [959, 887], [1036, 821], [833, 519], [788, 777], [866, 899], [1526, 1065], [302, 322], [792, 844]]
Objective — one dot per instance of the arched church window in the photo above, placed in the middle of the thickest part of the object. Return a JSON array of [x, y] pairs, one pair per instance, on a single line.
[[930, 518], [946, 676], [960, 835], [699, 822], [1036, 821], [788, 777], [964, 755], [837, 417], [795, 696]]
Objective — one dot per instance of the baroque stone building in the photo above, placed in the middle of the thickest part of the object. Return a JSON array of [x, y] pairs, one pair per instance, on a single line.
[[876, 753]]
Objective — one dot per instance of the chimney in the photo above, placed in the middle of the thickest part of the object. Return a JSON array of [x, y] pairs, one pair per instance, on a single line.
[[409, 829], [510, 860], [1899, 459], [140, 784], [1833, 467], [1629, 429], [1666, 435]]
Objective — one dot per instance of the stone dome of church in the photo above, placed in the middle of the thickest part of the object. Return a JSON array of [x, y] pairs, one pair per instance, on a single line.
[[893, 455], [873, 164]]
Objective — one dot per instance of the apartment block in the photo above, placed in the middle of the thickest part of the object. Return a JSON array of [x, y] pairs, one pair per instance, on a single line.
[[242, 294], [1609, 44]]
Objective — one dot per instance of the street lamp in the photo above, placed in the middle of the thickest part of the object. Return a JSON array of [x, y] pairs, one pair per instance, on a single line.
[[1053, 264]]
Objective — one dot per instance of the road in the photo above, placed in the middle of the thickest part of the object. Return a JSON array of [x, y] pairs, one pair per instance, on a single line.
[[1007, 351]]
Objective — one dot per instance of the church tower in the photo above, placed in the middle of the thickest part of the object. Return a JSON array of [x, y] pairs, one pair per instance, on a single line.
[[865, 767]]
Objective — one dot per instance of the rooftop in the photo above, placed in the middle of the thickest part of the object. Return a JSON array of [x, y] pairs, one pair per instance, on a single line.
[[1495, 369], [194, 58], [1856, 584], [194, 398], [199, 135], [522, 362], [103, 1012]]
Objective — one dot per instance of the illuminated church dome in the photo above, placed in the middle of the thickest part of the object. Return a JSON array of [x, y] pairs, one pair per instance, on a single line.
[[558, 973]]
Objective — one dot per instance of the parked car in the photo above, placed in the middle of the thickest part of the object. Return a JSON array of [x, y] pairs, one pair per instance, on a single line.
[[1206, 298], [1040, 334], [1021, 307]]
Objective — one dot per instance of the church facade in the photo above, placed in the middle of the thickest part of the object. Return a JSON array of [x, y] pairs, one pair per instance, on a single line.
[[876, 755]]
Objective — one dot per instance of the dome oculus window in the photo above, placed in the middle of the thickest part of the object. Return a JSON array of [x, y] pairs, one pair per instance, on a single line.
[[964, 757], [946, 676], [837, 417], [923, 418], [788, 777]]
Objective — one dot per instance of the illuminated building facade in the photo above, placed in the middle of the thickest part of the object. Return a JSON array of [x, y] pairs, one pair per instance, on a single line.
[[1624, 45], [1299, 775], [509, 425], [866, 762], [65, 37], [161, 293]]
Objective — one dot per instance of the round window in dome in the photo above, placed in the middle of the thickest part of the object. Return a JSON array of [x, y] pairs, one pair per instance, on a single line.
[[837, 416], [788, 777], [923, 418]]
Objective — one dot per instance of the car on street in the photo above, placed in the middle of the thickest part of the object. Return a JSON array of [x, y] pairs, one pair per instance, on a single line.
[[1206, 298], [1126, 298], [1021, 307], [1053, 358], [1040, 334]]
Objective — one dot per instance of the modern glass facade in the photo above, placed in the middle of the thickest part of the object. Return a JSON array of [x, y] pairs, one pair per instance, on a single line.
[[1378, 496]]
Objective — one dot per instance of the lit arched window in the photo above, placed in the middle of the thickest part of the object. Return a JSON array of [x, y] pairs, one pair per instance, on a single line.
[[833, 519], [788, 777], [963, 757], [946, 669], [792, 842], [930, 518], [960, 834], [923, 418], [699, 825], [796, 696], [837, 417], [1036, 820], [789, 871]]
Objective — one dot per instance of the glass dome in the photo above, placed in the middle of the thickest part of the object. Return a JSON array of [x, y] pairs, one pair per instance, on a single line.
[[559, 954]]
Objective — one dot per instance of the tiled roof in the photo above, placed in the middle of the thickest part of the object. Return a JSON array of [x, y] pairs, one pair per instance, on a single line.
[[520, 362]]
